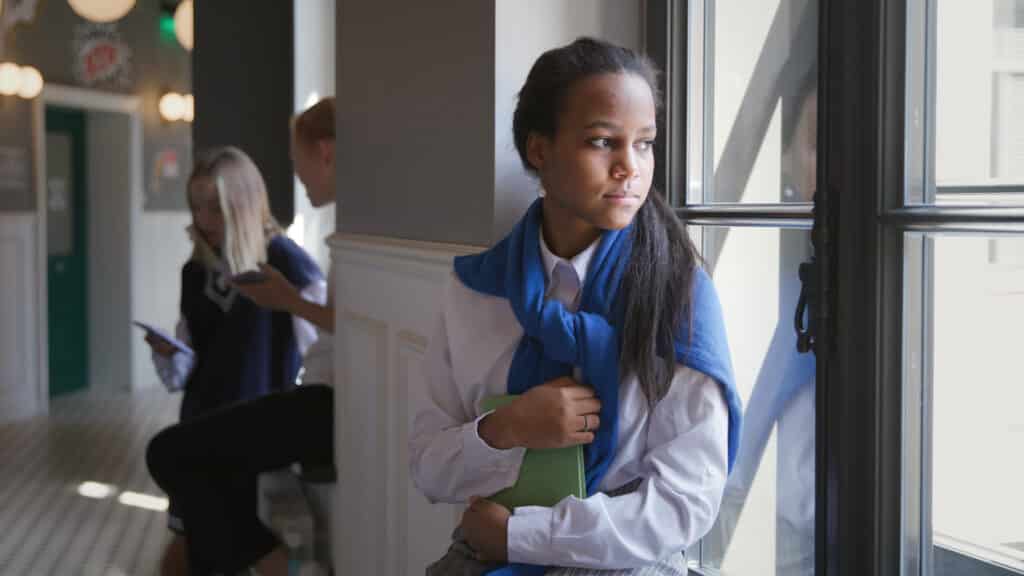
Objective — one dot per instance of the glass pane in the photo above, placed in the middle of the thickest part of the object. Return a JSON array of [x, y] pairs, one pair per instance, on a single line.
[[766, 525], [972, 306], [752, 94], [60, 198], [978, 91]]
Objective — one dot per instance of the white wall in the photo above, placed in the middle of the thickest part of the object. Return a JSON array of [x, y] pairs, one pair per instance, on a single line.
[[135, 257], [314, 79], [525, 29], [383, 525], [19, 308], [108, 198], [160, 248]]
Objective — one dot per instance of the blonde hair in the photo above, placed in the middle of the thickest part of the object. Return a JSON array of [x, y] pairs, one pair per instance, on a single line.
[[242, 194]]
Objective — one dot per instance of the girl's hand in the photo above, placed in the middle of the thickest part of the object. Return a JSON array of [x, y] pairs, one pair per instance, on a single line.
[[274, 293], [485, 525], [159, 345], [555, 414]]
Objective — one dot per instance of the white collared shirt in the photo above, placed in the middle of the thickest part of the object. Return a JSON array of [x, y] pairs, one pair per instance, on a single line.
[[678, 450]]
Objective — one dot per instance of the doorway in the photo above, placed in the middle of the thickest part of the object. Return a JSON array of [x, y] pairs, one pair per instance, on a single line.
[[67, 250]]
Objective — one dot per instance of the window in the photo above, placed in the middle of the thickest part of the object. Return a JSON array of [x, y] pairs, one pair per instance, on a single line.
[[767, 514], [918, 216], [752, 99], [742, 174], [964, 284], [978, 53], [964, 303]]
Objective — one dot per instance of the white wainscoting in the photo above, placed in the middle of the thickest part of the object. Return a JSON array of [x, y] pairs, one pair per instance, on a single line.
[[386, 294], [19, 306]]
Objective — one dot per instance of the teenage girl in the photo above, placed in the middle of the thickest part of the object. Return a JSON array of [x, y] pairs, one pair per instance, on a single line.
[[210, 464], [241, 350], [595, 311]]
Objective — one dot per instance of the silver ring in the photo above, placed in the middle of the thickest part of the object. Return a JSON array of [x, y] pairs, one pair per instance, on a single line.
[[586, 423]]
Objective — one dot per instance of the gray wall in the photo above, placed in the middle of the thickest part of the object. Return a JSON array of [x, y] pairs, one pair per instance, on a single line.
[[244, 86], [157, 64], [526, 29], [16, 156], [425, 99], [415, 119], [109, 193]]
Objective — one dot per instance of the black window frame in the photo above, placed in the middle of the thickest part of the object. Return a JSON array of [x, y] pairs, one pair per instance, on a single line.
[[859, 227]]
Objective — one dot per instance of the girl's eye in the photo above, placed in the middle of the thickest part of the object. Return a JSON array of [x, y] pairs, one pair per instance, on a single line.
[[645, 145], [601, 142]]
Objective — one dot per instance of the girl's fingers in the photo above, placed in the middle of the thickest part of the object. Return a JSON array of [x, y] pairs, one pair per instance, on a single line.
[[581, 438], [578, 392], [587, 406], [587, 422]]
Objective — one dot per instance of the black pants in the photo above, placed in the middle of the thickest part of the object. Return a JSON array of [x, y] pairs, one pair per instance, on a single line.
[[209, 468]]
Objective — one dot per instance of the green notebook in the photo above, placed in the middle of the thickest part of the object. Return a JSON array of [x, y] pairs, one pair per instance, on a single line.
[[546, 476]]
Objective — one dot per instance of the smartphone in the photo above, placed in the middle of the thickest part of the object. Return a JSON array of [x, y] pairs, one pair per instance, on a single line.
[[249, 277]]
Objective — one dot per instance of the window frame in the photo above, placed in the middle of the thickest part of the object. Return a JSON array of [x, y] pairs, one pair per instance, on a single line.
[[860, 218]]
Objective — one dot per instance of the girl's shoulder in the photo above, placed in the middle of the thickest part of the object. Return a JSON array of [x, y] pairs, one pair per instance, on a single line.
[[461, 299], [479, 328]]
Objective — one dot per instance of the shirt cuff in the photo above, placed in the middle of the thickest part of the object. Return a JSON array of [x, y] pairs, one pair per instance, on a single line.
[[529, 535], [481, 456]]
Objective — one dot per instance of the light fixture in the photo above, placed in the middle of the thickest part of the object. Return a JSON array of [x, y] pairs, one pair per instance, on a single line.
[[31, 83], [10, 78], [183, 24], [172, 106], [102, 10], [24, 81]]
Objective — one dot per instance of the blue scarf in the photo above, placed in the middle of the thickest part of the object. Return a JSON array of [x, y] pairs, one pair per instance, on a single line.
[[555, 339]]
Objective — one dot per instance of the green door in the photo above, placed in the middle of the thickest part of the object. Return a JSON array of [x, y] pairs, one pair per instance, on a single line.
[[66, 245]]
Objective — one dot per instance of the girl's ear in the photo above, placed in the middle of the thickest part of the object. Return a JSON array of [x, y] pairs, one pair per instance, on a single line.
[[325, 149], [537, 150]]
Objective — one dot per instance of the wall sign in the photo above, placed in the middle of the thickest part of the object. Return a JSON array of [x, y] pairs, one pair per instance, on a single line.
[[100, 57]]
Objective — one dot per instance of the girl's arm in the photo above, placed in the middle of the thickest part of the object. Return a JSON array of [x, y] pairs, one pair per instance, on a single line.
[[448, 460], [175, 369], [305, 331], [276, 293], [683, 474]]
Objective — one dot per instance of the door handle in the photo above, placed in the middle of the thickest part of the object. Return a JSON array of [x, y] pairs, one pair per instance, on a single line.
[[806, 306]]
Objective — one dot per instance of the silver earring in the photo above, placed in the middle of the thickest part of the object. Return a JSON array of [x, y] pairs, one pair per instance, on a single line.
[[541, 192]]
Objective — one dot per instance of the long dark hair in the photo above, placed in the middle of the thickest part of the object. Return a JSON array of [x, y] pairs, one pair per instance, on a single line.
[[657, 281]]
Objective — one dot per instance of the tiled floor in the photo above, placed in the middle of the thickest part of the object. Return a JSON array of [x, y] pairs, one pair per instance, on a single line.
[[46, 526]]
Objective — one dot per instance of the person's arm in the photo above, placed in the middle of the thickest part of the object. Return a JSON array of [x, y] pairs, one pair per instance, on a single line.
[[173, 366], [448, 460], [684, 472], [276, 293], [321, 315], [305, 331]]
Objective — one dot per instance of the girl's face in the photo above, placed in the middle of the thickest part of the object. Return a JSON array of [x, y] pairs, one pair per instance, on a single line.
[[314, 166], [597, 169], [206, 215]]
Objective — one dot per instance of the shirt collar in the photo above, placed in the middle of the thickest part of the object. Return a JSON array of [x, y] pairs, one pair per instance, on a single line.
[[579, 262]]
